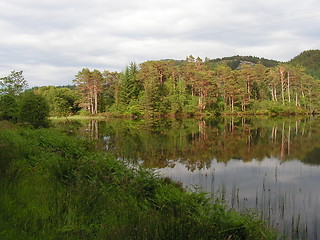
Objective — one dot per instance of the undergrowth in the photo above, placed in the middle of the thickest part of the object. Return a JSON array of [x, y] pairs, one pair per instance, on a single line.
[[59, 187]]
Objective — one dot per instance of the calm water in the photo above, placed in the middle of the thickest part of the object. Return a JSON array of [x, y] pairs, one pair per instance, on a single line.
[[270, 165]]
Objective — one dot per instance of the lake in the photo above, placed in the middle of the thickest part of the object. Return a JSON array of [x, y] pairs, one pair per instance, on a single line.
[[269, 165]]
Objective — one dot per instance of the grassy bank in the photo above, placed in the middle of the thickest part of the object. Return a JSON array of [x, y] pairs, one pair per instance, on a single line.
[[269, 110], [59, 187]]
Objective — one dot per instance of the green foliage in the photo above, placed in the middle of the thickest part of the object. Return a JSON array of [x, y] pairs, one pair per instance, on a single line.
[[9, 107], [235, 61], [13, 84], [134, 108], [151, 98], [26, 107], [111, 93], [156, 88], [176, 97], [83, 112], [310, 60], [59, 187], [130, 86], [61, 101], [90, 86], [33, 109], [276, 108], [191, 87]]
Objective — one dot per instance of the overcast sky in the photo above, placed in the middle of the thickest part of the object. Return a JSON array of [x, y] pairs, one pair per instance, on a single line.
[[51, 40]]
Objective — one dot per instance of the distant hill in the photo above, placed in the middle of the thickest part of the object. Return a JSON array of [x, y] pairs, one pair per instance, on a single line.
[[309, 59], [71, 87], [236, 61]]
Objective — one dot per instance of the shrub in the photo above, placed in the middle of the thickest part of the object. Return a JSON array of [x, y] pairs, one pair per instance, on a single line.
[[8, 108], [33, 109]]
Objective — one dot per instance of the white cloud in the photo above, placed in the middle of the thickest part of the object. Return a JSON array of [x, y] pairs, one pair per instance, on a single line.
[[52, 40]]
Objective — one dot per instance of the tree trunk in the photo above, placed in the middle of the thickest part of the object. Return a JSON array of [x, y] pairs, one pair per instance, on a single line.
[[232, 103], [289, 98], [282, 83], [92, 104], [248, 87], [95, 100], [272, 94], [275, 93]]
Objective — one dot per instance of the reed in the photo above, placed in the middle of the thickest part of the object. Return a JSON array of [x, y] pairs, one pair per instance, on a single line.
[[59, 187]]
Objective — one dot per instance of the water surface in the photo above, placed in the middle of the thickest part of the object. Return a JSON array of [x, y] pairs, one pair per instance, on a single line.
[[270, 165]]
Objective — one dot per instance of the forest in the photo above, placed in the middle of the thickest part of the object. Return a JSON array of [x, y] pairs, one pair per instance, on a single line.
[[229, 86], [195, 87]]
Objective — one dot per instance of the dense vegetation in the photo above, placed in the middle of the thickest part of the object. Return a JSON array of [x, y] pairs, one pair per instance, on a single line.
[[235, 62], [56, 186], [233, 85], [197, 87], [17, 105], [310, 60]]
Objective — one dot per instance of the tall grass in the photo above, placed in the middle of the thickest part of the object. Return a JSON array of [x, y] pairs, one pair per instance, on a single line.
[[59, 187]]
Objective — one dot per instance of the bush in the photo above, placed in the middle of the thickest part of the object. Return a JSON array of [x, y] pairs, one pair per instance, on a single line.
[[8, 108], [33, 109], [263, 112], [83, 112]]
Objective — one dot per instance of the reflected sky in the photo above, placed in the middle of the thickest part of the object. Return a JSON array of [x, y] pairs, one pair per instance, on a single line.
[[270, 165], [283, 191]]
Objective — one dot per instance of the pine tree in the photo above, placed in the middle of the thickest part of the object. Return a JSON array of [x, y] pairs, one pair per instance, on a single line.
[[90, 85]]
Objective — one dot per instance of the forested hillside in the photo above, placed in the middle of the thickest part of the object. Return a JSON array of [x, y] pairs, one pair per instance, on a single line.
[[194, 86], [233, 85], [237, 61], [310, 60]]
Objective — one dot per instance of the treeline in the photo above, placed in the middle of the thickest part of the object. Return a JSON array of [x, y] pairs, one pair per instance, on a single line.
[[194, 86], [19, 105], [235, 62], [176, 88]]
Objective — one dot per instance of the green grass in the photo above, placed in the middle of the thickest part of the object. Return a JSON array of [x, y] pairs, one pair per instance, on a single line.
[[80, 117], [54, 186]]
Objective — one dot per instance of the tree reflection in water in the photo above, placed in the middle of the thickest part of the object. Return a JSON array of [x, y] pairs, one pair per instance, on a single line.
[[271, 165]]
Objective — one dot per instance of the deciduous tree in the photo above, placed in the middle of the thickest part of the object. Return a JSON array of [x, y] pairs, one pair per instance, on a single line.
[[13, 84], [33, 109]]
